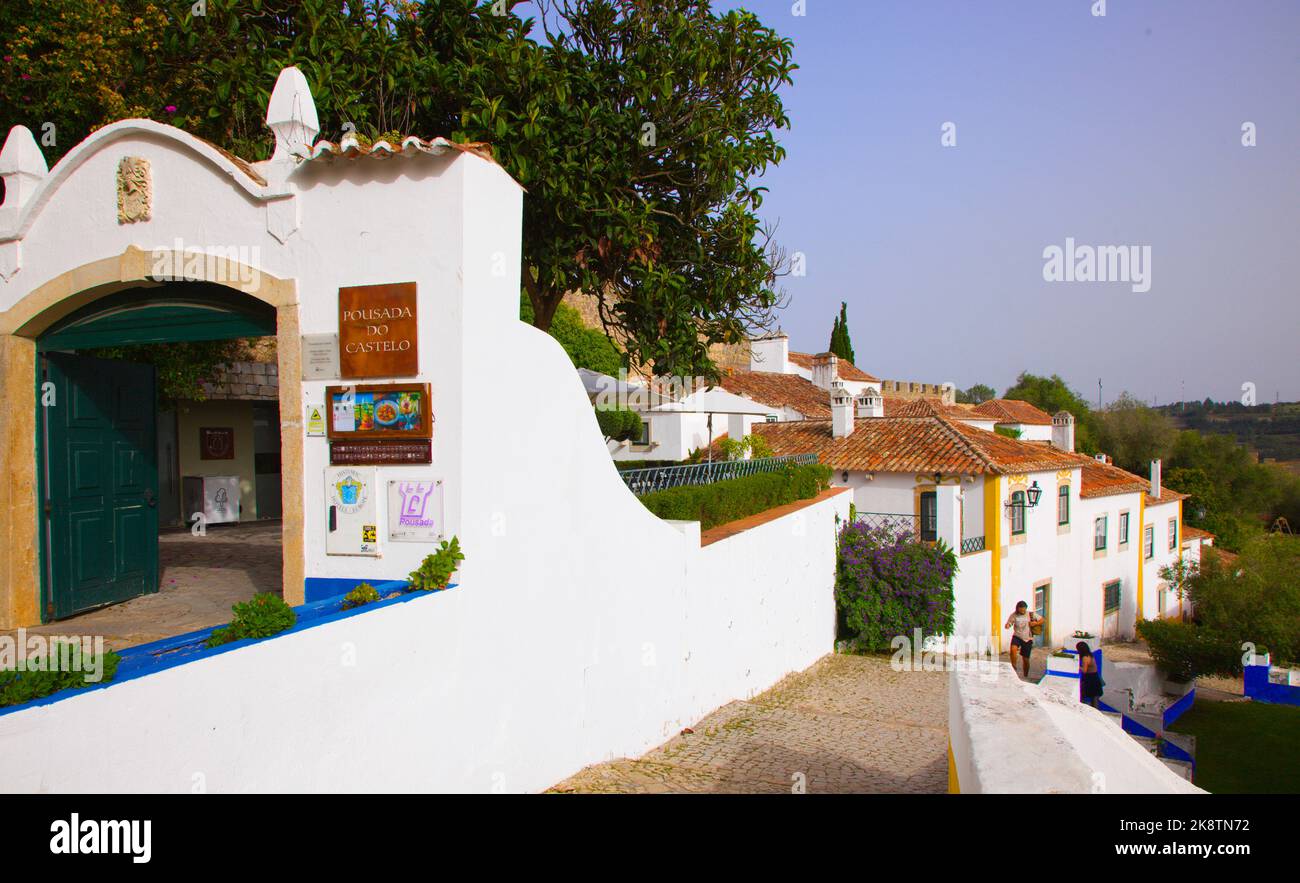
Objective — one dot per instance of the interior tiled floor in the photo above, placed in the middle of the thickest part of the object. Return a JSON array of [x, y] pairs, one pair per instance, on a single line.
[[202, 576]]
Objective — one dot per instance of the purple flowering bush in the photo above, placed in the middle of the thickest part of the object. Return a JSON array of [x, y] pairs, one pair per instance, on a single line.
[[888, 583]]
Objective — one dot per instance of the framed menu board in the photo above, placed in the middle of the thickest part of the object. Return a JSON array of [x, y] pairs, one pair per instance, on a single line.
[[379, 411]]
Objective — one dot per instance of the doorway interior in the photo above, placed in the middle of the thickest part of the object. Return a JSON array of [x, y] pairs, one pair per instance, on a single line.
[[115, 454]]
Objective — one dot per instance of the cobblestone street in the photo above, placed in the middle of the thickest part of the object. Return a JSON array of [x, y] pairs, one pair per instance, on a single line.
[[848, 724]]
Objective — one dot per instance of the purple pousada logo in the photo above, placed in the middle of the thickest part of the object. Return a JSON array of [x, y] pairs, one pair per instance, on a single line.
[[415, 503]]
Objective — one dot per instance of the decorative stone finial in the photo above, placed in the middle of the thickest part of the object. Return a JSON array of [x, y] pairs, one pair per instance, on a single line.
[[291, 115], [22, 165]]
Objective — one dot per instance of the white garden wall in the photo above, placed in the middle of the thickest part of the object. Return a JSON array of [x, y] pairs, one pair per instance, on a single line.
[[506, 683], [1008, 736]]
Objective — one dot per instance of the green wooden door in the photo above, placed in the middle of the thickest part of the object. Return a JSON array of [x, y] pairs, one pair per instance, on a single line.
[[100, 482]]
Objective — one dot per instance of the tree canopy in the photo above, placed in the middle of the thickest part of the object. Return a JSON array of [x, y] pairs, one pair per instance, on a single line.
[[1053, 394], [637, 127]]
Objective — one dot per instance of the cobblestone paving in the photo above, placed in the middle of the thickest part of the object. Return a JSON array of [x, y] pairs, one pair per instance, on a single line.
[[848, 724], [201, 578]]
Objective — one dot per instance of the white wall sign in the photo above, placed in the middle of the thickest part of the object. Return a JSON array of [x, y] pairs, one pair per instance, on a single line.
[[351, 516], [415, 510], [320, 357]]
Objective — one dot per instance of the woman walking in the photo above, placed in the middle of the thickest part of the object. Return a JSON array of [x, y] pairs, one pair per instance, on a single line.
[[1090, 683]]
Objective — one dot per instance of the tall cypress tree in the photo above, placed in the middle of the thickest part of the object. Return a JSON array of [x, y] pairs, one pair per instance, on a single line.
[[841, 344]]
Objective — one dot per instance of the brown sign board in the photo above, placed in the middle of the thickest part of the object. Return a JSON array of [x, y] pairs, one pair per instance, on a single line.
[[378, 331], [380, 453]]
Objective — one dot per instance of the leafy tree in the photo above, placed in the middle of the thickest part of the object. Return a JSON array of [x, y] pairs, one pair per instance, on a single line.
[[841, 344], [181, 368], [1134, 434], [1052, 394], [977, 394], [637, 127], [1256, 599], [587, 347]]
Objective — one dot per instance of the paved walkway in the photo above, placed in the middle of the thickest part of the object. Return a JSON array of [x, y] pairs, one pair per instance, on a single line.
[[849, 724], [201, 578]]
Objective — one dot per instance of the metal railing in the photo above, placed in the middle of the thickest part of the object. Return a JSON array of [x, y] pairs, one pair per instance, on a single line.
[[971, 545], [647, 481], [896, 523]]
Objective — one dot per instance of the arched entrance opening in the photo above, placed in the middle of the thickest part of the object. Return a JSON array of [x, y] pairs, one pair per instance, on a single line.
[[144, 484]]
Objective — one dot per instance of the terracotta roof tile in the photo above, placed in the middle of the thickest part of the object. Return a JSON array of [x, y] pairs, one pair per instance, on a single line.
[[1195, 533], [843, 367], [1013, 411], [913, 444], [780, 390], [1105, 479]]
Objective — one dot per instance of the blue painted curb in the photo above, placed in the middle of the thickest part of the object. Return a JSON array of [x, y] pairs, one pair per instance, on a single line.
[[146, 659]]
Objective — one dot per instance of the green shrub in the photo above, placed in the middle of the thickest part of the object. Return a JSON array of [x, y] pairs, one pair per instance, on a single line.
[[735, 498], [619, 424], [887, 584], [1184, 651], [365, 593], [436, 570], [19, 686], [265, 615]]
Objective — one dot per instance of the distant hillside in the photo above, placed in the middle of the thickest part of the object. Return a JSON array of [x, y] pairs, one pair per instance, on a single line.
[[1272, 431]]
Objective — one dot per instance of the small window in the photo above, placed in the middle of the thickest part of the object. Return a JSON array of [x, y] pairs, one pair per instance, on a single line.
[[1018, 512], [1173, 534], [929, 517], [1123, 528], [1111, 591], [1063, 505], [644, 437], [1149, 542], [1099, 534]]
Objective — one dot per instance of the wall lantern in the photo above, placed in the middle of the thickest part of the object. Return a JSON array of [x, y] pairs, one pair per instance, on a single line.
[[1033, 494]]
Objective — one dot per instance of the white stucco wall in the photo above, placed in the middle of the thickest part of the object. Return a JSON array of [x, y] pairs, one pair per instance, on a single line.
[[566, 644], [1012, 737]]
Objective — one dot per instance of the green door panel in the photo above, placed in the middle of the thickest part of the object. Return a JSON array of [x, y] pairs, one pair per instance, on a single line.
[[99, 483]]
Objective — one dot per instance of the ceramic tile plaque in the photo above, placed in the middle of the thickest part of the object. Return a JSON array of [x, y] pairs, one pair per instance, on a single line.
[[377, 331]]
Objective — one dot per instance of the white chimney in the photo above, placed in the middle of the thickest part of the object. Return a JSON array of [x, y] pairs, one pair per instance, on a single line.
[[771, 354], [841, 411], [825, 370], [1063, 431], [1155, 479], [870, 403]]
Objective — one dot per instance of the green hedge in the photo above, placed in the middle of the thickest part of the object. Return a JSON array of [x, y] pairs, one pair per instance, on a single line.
[[714, 504], [1184, 651]]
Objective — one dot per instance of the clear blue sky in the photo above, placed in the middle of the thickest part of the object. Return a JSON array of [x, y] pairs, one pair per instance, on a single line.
[[1122, 130]]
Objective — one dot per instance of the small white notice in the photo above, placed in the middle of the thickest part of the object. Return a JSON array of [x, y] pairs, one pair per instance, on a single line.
[[344, 416], [415, 510], [315, 421], [320, 357]]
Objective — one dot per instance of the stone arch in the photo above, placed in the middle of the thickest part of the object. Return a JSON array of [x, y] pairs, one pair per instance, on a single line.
[[79, 286]]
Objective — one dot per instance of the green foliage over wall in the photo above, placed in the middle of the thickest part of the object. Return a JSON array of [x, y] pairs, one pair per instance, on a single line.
[[587, 347], [735, 498], [181, 367]]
